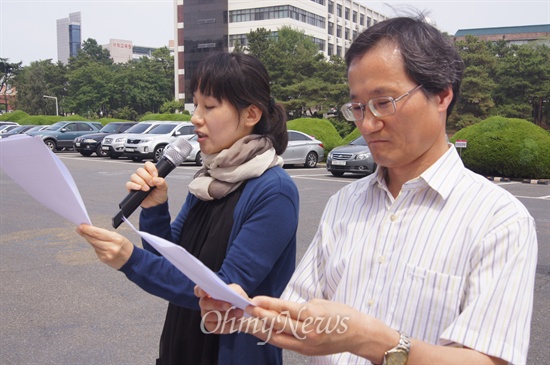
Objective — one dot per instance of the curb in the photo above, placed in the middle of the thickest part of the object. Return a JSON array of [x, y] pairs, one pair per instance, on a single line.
[[503, 179], [540, 182]]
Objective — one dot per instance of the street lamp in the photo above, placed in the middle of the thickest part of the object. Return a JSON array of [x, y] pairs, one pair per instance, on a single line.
[[56, 106]]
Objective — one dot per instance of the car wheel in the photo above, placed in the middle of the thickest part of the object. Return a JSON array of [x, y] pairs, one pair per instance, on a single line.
[[159, 151], [337, 173], [86, 153], [51, 145], [114, 157], [198, 159], [311, 160], [137, 159], [100, 152]]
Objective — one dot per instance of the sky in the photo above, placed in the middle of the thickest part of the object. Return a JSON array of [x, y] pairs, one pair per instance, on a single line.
[[28, 27]]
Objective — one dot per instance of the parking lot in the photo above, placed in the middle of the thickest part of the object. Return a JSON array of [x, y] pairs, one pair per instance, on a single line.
[[60, 305]]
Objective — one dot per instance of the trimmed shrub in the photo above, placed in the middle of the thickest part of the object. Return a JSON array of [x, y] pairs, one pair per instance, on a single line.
[[75, 117], [506, 147], [166, 116], [14, 116], [40, 120], [105, 121], [321, 129], [350, 137]]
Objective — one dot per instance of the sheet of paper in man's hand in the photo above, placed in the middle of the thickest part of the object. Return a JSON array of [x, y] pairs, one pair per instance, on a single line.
[[38, 171], [194, 269]]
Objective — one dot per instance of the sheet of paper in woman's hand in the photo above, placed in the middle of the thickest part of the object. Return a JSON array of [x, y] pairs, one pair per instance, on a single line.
[[38, 171], [194, 269]]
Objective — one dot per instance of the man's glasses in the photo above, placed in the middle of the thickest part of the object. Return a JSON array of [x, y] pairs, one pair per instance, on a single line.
[[380, 107]]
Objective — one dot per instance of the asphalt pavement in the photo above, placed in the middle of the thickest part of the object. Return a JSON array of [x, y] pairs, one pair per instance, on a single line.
[[60, 305]]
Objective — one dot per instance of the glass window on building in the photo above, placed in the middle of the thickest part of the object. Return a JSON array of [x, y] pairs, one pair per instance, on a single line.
[[339, 31], [354, 19], [347, 13], [339, 10], [330, 49], [331, 7], [362, 19], [331, 28], [339, 51], [346, 35]]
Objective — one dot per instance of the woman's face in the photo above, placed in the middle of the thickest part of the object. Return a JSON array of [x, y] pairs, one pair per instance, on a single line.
[[217, 124]]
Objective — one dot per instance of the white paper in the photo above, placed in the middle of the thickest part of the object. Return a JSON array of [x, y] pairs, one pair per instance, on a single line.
[[38, 171], [194, 269]]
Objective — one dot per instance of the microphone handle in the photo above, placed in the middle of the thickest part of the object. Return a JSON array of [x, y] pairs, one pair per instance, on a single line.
[[134, 198]]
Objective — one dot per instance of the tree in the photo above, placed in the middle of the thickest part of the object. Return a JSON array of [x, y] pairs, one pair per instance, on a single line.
[[36, 80], [7, 73], [475, 102], [523, 76]]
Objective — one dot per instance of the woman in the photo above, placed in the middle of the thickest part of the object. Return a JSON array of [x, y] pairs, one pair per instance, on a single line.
[[240, 217]]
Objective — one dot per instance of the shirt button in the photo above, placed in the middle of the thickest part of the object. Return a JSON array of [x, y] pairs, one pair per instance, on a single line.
[[382, 259], [371, 302], [393, 217]]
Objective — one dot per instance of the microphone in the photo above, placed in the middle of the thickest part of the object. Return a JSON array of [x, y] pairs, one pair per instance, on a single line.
[[174, 154]]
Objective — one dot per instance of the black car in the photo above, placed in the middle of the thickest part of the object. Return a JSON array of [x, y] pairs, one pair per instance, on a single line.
[[354, 157], [90, 143]]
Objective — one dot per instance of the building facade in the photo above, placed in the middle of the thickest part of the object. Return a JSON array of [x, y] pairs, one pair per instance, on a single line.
[[69, 37], [204, 27], [512, 35]]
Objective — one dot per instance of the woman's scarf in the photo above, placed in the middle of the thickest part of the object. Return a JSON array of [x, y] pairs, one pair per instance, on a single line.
[[225, 171]]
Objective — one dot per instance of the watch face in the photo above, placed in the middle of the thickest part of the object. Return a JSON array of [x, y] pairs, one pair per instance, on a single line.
[[397, 358]]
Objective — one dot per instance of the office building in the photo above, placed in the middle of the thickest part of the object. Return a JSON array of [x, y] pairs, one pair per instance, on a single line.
[[69, 37], [214, 26]]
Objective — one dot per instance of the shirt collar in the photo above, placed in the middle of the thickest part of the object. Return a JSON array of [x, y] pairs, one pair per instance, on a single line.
[[441, 176]]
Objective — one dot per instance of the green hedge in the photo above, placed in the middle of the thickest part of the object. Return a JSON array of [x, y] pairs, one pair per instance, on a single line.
[[39, 120], [321, 129], [166, 116], [15, 116], [506, 147]]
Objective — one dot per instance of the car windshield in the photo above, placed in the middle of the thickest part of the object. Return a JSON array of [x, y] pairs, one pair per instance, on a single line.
[[56, 126], [162, 129], [35, 129], [138, 128], [360, 141], [109, 128], [17, 129]]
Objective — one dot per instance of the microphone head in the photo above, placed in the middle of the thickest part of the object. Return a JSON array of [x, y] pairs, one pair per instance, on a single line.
[[177, 151]]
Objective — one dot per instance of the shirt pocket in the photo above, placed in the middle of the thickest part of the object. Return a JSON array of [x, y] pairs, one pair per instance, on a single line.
[[425, 303]]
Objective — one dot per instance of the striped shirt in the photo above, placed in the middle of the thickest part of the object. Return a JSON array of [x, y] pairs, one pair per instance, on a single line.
[[450, 261]]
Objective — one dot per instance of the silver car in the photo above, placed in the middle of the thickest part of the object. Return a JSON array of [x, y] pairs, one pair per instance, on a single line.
[[303, 149], [354, 157]]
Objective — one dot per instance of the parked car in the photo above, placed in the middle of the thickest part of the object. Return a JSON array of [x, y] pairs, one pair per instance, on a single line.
[[62, 134], [354, 157], [90, 143], [113, 144], [195, 155], [17, 130], [303, 149], [7, 127], [37, 128], [150, 145], [4, 123]]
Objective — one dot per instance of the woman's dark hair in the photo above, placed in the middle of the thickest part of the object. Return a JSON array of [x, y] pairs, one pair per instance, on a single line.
[[430, 58], [242, 80]]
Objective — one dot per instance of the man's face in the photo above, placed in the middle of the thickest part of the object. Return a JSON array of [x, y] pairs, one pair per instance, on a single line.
[[414, 137]]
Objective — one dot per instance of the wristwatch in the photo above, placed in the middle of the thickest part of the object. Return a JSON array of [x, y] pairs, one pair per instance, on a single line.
[[400, 353]]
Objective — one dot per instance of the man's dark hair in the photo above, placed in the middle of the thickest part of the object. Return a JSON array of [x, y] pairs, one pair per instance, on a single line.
[[430, 58]]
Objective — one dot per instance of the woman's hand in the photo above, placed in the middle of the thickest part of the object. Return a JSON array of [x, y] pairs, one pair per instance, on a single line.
[[112, 248], [217, 316], [143, 179]]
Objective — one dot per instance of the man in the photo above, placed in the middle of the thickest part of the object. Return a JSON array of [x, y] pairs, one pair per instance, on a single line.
[[422, 262]]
